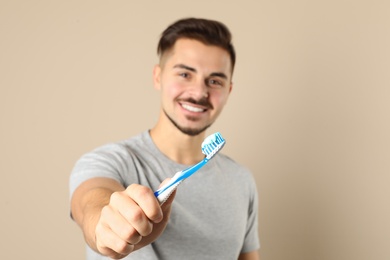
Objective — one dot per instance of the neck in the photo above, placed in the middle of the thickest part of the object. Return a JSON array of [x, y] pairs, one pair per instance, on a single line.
[[179, 147]]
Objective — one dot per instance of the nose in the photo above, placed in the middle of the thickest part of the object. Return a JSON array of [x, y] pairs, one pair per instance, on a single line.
[[199, 90]]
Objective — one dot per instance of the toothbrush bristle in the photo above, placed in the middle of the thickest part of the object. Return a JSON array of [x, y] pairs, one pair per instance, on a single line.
[[212, 144]]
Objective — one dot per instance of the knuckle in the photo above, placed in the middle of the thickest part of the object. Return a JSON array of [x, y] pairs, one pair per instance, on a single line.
[[144, 191], [145, 230], [122, 247], [115, 196], [137, 215], [140, 224], [105, 212], [127, 233], [148, 229]]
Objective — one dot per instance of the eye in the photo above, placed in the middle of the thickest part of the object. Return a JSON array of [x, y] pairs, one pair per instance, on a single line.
[[184, 75], [214, 83]]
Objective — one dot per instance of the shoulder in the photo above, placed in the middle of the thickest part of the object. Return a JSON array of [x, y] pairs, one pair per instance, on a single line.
[[118, 151], [111, 160]]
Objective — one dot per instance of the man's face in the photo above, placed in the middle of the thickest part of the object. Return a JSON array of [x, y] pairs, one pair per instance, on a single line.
[[195, 82]]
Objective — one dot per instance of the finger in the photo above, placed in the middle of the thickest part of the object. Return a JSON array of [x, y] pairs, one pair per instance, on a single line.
[[135, 215], [110, 244], [133, 222], [123, 228], [146, 200]]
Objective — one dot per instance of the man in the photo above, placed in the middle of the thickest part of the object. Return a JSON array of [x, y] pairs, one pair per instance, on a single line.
[[213, 214]]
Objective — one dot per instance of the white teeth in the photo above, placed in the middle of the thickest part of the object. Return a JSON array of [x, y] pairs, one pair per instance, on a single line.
[[192, 109]]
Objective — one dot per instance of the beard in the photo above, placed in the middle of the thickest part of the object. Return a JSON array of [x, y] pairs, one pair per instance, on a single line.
[[187, 130]]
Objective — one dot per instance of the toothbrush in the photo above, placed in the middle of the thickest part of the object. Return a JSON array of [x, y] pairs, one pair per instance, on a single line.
[[210, 147]]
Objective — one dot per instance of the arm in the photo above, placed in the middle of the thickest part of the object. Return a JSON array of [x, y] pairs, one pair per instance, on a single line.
[[254, 255], [117, 221]]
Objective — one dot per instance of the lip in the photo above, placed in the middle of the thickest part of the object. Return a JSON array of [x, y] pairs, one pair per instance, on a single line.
[[192, 108]]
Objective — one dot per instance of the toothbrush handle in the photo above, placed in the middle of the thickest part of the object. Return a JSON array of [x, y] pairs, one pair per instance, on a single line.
[[189, 171], [164, 192]]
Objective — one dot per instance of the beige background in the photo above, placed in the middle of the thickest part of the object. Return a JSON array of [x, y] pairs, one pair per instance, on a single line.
[[309, 115]]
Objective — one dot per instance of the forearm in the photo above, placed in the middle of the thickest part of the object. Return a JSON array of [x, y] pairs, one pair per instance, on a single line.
[[94, 201], [87, 203], [254, 255]]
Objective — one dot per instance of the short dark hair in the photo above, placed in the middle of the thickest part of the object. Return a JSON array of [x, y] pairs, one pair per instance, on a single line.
[[209, 32]]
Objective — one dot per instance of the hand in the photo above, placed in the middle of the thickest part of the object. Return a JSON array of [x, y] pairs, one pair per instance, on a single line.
[[132, 219]]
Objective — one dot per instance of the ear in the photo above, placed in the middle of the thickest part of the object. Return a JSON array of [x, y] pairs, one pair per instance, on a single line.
[[157, 77], [231, 87]]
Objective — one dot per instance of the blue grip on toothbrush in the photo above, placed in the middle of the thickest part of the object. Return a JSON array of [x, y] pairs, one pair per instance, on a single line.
[[210, 147]]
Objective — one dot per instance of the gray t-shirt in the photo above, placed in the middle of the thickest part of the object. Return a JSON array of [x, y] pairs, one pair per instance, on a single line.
[[214, 214]]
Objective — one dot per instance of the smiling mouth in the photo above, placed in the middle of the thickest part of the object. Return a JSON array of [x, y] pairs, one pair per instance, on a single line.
[[193, 109]]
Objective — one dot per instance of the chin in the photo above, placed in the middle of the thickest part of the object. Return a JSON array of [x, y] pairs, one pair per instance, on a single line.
[[191, 131]]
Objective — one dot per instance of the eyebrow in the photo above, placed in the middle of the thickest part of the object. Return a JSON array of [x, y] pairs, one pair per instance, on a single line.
[[182, 66], [219, 74], [214, 74]]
